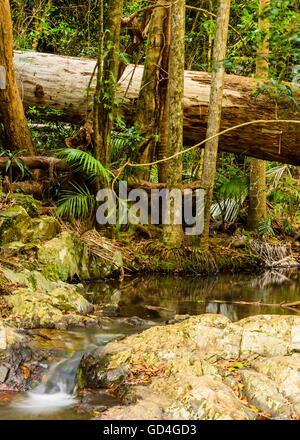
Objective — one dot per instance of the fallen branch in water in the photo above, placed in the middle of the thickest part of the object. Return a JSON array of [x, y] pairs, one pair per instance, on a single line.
[[293, 305]]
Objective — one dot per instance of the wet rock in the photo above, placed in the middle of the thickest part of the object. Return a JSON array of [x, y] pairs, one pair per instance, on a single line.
[[69, 300], [31, 279], [110, 309], [17, 226], [69, 255], [17, 248], [177, 319], [100, 375], [189, 371], [146, 409], [263, 393], [35, 280], [16, 351]]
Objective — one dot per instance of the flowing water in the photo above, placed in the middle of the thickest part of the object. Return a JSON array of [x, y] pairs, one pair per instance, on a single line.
[[136, 304]]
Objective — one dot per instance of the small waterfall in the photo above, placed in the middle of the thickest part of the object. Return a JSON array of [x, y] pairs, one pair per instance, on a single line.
[[58, 391], [58, 388]]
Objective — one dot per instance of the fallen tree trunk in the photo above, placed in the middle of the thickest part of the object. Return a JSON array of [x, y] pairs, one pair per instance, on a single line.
[[61, 83], [38, 163], [52, 164]]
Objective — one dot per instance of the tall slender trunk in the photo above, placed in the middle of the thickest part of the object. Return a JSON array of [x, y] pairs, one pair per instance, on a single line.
[[16, 134], [258, 188], [147, 111], [163, 93], [215, 110], [108, 65], [173, 233]]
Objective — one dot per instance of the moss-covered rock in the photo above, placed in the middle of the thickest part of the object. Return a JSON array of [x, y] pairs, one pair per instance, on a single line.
[[31, 279], [14, 224], [68, 254], [27, 202], [43, 228], [46, 310], [17, 226]]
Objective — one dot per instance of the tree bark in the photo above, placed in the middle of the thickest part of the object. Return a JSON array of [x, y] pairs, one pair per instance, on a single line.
[[258, 185], [147, 107], [215, 112], [173, 233], [106, 88], [163, 93], [60, 83], [16, 134]]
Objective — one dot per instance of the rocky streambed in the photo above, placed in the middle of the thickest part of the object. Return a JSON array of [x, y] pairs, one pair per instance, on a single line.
[[205, 367], [143, 356]]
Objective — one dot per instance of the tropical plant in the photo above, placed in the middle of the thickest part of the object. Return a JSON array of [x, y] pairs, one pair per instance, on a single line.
[[14, 158], [83, 162], [80, 203], [265, 228], [230, 195]]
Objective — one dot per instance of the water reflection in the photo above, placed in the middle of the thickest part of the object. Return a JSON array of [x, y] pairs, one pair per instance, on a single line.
[[225, 293]]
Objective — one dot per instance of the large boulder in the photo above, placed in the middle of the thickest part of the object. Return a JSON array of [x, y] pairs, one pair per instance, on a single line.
[[70, 256], [188, 364], [17, 226]]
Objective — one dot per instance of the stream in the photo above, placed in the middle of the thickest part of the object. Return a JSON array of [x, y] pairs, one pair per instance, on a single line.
[[137, 304]]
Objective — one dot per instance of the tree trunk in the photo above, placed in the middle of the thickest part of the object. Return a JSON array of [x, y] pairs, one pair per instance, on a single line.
[[173, 233], [16, 134], [163, 93], [215, 112], [147, 108], [60, 83], [105, 97], [258, 185]]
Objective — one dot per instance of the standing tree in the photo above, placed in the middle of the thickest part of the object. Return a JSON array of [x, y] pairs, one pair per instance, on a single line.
[[153, 94], [108, 66], [173, 233], [258, 190], [214, 115], [16, 134]]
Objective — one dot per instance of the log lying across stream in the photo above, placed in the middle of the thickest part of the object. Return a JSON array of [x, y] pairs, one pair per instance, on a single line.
[[61, 83]]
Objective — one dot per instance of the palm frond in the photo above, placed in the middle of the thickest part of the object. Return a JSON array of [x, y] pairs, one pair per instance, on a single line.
[[230, 196], [83, 161], [79, 204]]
